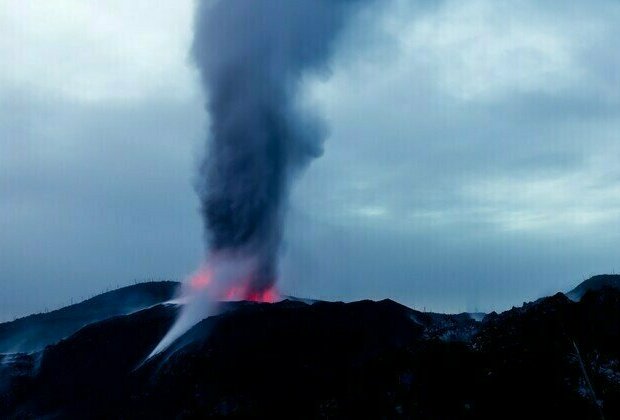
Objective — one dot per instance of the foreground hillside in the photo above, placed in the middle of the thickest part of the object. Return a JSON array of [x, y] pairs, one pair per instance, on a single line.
[[554, 358], [34, 332]]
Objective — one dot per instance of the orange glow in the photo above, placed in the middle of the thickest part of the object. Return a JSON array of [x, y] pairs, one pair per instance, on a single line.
[[268, 296], [201, 279], [241, 293], [205, 278]]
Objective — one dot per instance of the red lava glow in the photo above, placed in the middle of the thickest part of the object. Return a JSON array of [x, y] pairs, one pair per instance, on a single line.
[[201, 279], [242, 293], [204, 278]]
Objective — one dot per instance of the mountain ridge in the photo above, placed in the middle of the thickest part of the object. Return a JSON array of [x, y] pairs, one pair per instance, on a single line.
[[594, 283], [551, 358], [34, 332]]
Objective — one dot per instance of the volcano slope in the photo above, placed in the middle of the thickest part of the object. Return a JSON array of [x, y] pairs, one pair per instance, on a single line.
[[554, 358], [34, 332]]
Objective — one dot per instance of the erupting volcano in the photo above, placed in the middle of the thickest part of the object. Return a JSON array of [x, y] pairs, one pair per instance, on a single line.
[[252, 57], [240, 290]]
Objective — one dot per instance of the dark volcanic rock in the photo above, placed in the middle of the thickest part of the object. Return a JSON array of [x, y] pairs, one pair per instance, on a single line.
[[34, 332], [595, 283], [553, 358], [532, 363], [263, 359]]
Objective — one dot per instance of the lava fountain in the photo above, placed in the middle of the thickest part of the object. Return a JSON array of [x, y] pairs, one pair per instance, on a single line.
[[252, 57]]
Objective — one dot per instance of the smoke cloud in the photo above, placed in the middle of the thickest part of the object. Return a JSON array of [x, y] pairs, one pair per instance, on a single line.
[[253, 57]]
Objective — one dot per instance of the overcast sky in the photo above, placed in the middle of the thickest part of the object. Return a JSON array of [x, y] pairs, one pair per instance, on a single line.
[[472, 161]]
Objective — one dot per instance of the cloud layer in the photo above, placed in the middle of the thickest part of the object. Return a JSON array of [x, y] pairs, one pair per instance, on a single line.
[[470, 162]]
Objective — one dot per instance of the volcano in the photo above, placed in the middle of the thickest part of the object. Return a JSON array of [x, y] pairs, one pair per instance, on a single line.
[[553, 358]]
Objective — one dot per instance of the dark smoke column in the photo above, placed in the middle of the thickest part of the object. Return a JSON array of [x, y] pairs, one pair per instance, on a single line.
[[252, 55]]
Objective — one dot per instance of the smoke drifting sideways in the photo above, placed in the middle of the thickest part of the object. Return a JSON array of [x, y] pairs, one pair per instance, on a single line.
[[253, 57]]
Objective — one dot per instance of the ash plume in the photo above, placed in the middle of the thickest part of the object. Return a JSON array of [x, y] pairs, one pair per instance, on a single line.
[[252, 56]]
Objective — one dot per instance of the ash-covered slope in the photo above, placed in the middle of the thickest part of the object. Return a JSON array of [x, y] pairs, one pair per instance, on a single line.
[[553, 358], [34, 332], [595, 283]]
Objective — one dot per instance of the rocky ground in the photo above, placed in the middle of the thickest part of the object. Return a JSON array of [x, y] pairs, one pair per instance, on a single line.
[[553, 358]]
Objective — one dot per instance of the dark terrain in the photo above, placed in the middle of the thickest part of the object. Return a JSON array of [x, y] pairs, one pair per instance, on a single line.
[[34, 332], [554, 358]]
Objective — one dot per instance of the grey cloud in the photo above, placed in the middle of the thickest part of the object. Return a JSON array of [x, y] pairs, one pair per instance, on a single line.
[[404, 202], [94, 196]]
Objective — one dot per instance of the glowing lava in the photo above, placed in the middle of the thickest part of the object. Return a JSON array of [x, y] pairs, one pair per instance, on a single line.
[[242, 293], [222, 279], [204, 280], [201, 279]]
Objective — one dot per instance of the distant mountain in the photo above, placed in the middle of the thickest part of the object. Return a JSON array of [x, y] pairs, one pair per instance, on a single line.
[[552, 358], [34, 332], [595, 283]]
